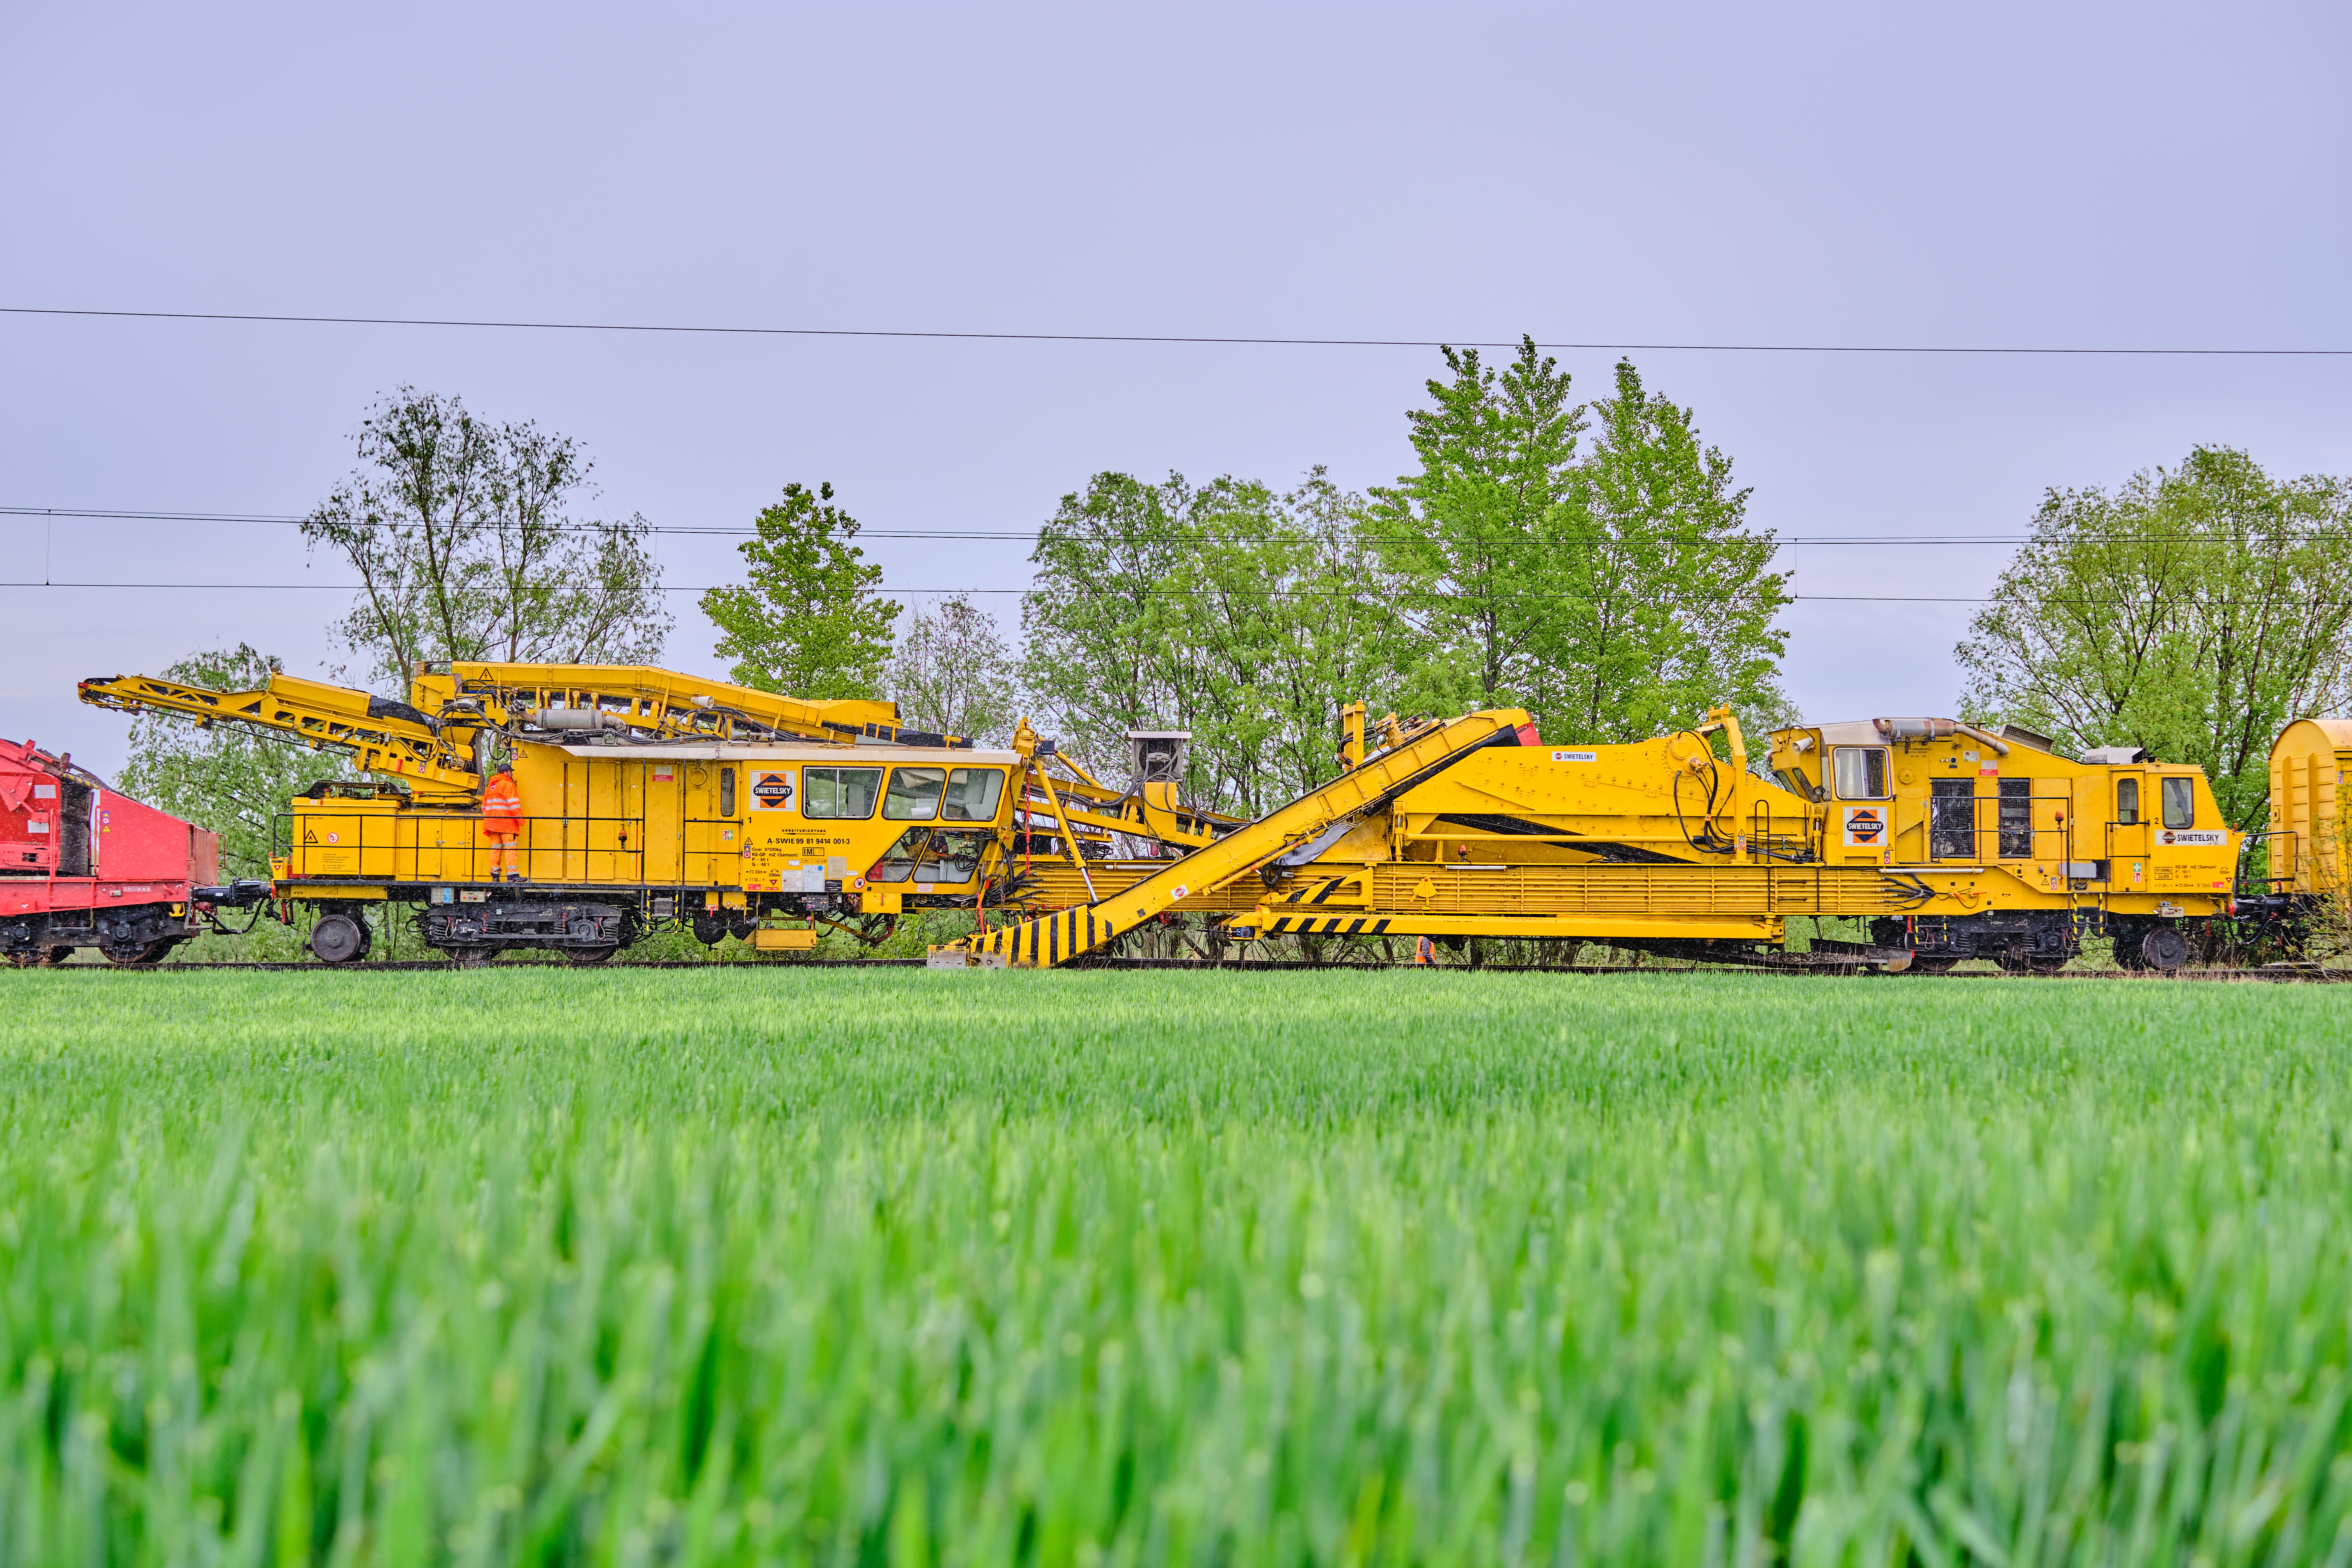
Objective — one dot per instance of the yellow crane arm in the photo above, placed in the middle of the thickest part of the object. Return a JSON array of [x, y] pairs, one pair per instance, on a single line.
[[382, 737], [1303, 826], [642, 696]]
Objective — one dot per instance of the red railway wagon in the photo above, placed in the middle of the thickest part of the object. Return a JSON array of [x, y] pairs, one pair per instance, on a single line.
[[82, 864]]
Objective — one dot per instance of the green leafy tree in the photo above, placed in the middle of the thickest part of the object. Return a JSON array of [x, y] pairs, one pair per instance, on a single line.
[[468, 543], [1661, 599], [950, 672], [1099, 624], [1281, 621], [1471, 538], [228, 779], [1244, 615], [807, 622], [1615, 592], [2193, 612]]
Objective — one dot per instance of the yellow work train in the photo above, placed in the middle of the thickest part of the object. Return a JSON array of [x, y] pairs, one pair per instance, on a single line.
[[651, 798]]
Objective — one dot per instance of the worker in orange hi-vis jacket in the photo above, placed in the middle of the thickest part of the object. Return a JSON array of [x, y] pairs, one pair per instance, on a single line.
[[502, 822]]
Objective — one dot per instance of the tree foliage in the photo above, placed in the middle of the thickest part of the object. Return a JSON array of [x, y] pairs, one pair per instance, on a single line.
[[464, 538], [1666, 602], [1098, 622], [2193, 612], [1614, 594], [951, 673], [807, 622], [225, 778], [1472, 540], [1240, 614]]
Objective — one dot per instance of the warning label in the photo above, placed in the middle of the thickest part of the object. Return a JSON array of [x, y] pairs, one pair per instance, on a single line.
[[1866, 826]]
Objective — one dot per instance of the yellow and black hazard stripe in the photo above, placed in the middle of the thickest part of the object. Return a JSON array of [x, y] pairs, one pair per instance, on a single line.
[[1327, 925], [1053, 939], [1316, 892]]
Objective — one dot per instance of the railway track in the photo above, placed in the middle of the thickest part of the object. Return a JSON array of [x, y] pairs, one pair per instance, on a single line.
[[2269, 975]]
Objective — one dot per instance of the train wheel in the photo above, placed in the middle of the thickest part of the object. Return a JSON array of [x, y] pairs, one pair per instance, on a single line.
[[337, 939], [589, 955], [129, 953], [2163, 949], [1930, 965], [40, 957]]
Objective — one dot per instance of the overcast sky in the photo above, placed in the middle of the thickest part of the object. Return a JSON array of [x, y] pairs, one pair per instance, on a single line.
[[2030, 175]]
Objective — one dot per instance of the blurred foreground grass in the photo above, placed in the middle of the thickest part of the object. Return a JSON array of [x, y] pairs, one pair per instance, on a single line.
[[899, 1266]]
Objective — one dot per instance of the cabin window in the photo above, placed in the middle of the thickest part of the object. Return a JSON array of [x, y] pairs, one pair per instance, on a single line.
[[2181, 803], [1952, 820], [2126, 803], [1861, 772], [843, 793], [972, 794], [727, 791], [929, 855], [914, 794], [2016, 819]]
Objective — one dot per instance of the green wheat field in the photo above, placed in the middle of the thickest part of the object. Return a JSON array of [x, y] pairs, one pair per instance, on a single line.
[[897, 1267]]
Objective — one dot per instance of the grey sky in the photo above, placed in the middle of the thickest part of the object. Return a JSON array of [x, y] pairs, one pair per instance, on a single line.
[[2125, 176]]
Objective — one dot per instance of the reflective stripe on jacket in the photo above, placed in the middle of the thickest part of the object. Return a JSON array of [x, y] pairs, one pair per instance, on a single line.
[[502, 806]]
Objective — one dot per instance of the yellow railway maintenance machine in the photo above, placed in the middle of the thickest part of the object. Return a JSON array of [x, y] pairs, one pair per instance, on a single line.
[[2024, 851], [1951, 842], [650, 797], [2309, 846]]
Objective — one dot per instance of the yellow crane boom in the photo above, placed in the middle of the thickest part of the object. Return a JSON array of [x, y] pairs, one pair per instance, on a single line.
[[381, 736], [645, 697], [430, 740], [1298, 831]]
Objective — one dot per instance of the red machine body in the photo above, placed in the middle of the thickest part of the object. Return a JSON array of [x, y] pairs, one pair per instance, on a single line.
[[85, 865]]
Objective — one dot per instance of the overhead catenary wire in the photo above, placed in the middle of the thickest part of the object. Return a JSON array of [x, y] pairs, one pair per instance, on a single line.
[[886, 590], [1214, 341], [1034, 536]]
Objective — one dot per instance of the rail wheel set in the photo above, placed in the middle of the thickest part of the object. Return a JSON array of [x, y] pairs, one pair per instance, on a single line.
[[653, 800]]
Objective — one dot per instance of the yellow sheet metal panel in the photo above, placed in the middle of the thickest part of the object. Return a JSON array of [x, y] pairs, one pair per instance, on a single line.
[[318, 695], [2308, 848], [1668, 798], [1729, 891]]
